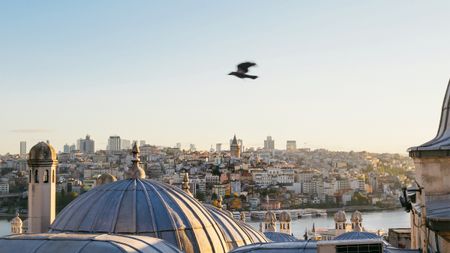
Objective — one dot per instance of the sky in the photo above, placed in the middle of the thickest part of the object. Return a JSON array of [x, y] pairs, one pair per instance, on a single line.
[[342, 75]]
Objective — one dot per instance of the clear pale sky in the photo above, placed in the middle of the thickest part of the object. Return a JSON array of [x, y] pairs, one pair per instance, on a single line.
[[342, 75]]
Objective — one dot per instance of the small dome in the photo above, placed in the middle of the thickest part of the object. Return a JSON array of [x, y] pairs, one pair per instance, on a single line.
[[356, 216], [270, 217], [280, 237], [285, 217], [42, 154], [84, 243], [356, 236], [236, 233], [105, 178], [340, 216], [143, 207]]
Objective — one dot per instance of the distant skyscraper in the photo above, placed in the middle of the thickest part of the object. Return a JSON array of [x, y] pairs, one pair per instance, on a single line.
[[72, 148], [23, 148], [241, 145], [192, 147], [291, 145], [141, 143], [218, 147], [269, 143], [178, 146], [235, 149], [66, 148], [114, 143], [86, 145], [126, 144]]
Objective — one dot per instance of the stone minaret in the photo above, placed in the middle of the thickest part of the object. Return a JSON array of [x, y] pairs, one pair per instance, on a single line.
[[235, 148], [430, 193], [41, 187], [285, 223]]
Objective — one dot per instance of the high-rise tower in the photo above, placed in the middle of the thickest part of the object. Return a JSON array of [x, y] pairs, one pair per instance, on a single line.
[[41, 187], [23, 148]]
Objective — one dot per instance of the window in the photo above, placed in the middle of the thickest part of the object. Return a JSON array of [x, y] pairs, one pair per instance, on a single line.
[[36, 176], [359, 248], [46, 176]]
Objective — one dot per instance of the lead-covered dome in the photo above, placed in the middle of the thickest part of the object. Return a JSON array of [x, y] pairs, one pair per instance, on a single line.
[[143, 207], [237, 233], [84, 243]]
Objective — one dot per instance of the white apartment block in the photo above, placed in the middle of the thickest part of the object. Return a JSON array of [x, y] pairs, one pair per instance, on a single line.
[[4, 187], [212, 179]]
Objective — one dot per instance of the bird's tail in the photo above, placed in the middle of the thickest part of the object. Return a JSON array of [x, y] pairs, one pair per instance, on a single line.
[[252, 77]]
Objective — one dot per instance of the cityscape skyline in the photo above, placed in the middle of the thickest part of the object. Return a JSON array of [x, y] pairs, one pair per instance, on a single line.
[[361, 76], [123, 143]]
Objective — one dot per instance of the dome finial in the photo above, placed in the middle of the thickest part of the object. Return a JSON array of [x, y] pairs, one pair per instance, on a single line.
[[16, 224], [185, 186], [135, 171], [242, 216], [219, 202]]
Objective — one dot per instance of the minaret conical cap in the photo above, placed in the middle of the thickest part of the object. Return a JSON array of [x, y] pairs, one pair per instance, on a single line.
[[441, 142]]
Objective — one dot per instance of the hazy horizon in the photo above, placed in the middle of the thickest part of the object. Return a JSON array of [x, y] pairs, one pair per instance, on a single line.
[[345, 75]]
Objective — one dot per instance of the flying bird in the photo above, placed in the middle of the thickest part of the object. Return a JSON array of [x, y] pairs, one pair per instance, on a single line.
[[242, 69]]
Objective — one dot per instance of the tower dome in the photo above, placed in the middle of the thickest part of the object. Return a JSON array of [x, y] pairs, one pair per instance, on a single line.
[[356, 216], [340, 216], [270, 217], [285, 217], [141, 206], [42, 154], [236, 232]]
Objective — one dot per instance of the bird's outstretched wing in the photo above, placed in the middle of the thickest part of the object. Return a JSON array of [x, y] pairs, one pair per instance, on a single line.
[[243, 67]]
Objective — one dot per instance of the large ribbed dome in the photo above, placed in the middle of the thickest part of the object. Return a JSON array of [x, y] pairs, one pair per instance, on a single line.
[[144, 207], [236, 232]]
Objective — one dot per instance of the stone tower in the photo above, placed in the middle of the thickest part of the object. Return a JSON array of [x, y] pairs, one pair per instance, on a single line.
[[356, 220], [285, 223], [340, 220], [428, 198], [235, 148], [269, 222], [41, 187]]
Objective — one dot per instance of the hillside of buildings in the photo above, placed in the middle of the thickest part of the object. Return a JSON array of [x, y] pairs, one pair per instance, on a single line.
[[250, 180]]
